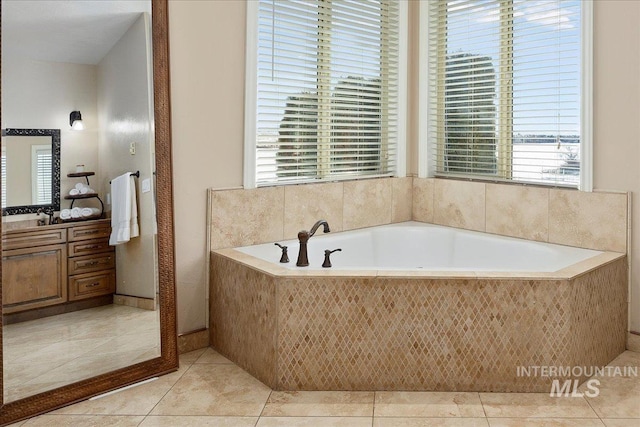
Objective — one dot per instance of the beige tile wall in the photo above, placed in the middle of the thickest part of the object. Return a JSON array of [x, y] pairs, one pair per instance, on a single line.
[[246, 217], [371, 332], [597, 220]]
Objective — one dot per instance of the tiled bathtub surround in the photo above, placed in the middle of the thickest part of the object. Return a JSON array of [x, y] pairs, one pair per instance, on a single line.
[[366, 330], [596, 220], [379, 331], [246, 217]]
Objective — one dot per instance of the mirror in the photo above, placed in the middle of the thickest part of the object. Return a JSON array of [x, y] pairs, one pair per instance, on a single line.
[[121, 127], [30, 170]]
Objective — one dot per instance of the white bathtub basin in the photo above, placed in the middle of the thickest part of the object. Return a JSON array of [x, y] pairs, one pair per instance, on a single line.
[[416, 246]]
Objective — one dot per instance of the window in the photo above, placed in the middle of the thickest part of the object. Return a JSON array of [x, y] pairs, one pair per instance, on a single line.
[[504, 90], [324, 95], [41, 174]]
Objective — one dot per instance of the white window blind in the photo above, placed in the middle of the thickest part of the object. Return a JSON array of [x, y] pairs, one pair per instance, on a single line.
[[327, 90], [41, 174], [505, 89]]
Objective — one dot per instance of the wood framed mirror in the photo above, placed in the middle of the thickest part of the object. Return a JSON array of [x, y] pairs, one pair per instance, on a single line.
[[46, 401]]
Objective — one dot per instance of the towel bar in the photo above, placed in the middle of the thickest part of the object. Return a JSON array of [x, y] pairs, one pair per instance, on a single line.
[[136, 174]]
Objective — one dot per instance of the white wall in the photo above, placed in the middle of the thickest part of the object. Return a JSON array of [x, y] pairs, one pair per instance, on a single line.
[[124, 100], [41, 95], [207, 92]]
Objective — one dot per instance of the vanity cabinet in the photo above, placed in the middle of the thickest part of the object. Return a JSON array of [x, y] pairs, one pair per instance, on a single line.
[[57, 265], [34, 277], [92, 262]]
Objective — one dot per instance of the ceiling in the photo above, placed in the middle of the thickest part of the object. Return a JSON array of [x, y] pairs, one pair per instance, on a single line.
[[76, 31]]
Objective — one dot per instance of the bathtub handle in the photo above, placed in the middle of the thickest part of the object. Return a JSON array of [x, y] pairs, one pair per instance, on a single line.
[[285, 256], [327, 253]]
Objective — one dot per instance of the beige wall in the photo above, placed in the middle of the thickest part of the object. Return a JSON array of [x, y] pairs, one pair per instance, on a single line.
[[207, 88], [124, 100], [41, 95], [616, 122]]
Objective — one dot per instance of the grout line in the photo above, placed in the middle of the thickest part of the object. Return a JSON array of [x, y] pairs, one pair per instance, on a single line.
[[265, 405], [373, 415], [482, 405], [593, 409]]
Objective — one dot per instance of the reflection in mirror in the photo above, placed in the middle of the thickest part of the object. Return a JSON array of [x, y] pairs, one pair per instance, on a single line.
[[30, 170], [75, 304]]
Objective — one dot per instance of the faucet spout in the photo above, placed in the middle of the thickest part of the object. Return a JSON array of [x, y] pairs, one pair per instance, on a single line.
[[304, 236], [318, 224]]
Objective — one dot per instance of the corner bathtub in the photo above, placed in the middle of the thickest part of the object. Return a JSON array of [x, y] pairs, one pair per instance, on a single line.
[[415, 306]]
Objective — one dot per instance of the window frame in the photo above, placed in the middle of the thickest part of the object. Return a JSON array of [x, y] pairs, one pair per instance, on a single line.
[[251, 100], [426, 162]]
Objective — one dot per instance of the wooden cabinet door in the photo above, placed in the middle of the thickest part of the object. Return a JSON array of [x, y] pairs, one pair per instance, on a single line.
[[34, 277]]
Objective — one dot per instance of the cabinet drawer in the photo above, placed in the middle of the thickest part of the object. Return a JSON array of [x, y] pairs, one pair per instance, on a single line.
[[89, 263], [91, 284], [87, 247], [28, 239], [93, 231]]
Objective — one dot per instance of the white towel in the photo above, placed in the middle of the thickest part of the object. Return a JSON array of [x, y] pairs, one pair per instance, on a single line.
[[74, 192], [86, 212], [124, 212], [79, 186], [65, 214], [76, 212]]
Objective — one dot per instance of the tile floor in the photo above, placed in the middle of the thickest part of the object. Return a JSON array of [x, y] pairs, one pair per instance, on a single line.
[[47, 353], [209, 390]]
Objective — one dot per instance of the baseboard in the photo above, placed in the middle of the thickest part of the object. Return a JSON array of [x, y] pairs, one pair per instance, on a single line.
[[193, 340], [633, 341], [138, 302]]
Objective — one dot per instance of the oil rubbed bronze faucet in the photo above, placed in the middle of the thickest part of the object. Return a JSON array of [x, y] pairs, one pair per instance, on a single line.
[[304, 237]]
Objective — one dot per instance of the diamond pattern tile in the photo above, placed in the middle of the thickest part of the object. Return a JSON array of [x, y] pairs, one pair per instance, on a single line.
[[375, 333]]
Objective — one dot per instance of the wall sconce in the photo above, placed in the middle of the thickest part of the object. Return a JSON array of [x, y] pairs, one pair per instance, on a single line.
[[75, 120]]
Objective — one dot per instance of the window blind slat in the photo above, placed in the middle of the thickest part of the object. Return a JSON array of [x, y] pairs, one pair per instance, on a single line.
[[327, 89], [504, 94]]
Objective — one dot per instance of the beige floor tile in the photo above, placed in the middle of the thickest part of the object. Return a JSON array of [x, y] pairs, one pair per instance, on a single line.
[[628, 358], [319, 403], [536, 405], [429, 422], [138, 400], [617, 397], [212, 356], [622, 422], [190, 357], [544, 422], [73, 346], [314, 422], [212, 389], [198, 421], [83, 421], [427, 404]]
